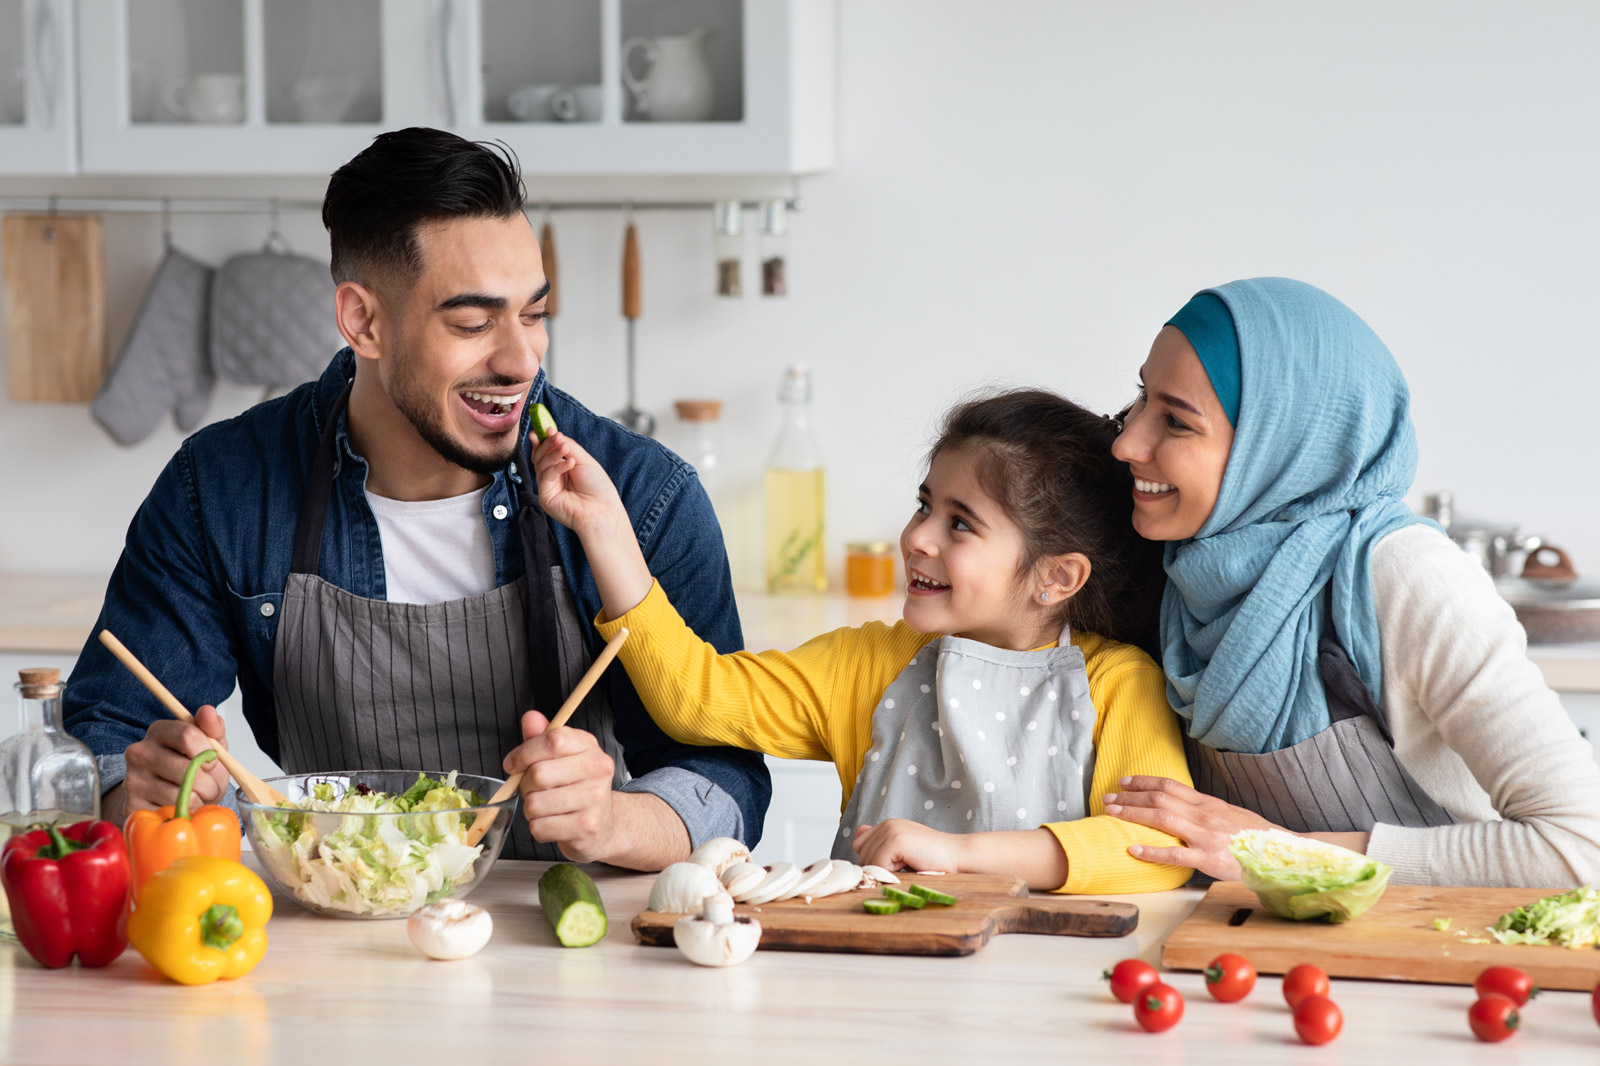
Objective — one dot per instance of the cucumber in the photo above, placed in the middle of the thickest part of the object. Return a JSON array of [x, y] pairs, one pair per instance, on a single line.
[[543, 423], [941, 898], [572, 903], [880, 906], [905, 899]]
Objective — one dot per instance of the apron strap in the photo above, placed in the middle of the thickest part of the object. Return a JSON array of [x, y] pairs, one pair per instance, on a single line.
[[539, 558], [319, 487]]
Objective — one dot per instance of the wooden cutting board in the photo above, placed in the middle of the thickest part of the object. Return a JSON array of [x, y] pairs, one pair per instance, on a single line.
[[988, 904], [55, 307], [1394, 941]]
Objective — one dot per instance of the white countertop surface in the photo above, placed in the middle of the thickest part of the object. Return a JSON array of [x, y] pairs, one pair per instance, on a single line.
[[355, 992]]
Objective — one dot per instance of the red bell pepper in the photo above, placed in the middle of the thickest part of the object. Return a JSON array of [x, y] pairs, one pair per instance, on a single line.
[[69, 891]]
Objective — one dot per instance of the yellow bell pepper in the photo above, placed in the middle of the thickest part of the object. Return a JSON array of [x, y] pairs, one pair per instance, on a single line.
[[201, 918]]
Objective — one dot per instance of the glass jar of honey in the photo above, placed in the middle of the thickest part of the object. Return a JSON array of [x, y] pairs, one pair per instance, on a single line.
[[869, 568]]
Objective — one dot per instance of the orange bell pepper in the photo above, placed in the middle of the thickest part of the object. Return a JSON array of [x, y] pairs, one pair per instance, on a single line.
[[157, 838]]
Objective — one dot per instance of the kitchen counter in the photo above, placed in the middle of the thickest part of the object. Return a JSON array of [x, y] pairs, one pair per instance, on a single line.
[[54, 613], [355, 992]]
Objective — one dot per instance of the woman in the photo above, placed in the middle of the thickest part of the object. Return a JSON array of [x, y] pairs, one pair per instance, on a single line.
[[1343, 669]]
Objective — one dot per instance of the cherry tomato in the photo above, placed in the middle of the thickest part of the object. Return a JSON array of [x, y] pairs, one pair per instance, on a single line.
[[1303, 981], [1493, 1018], [1129, 977], [1158, 1007], [1509, 982], [1230, 978], [1318, 1019]]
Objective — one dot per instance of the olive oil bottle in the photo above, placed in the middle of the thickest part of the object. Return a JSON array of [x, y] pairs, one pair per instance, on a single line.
[[796, 495]]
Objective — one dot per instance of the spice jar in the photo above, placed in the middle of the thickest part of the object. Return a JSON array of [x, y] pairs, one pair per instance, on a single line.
[[774, 247], [728, 241], [869, 568], [696, 441]]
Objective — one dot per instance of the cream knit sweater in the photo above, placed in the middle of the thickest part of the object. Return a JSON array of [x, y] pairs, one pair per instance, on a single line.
[[1475, 724]]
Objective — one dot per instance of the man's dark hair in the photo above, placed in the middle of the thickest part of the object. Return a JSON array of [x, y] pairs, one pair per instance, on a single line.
[[375, 202]]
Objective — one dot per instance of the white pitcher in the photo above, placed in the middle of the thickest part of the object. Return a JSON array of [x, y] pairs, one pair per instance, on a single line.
[[677, 86]]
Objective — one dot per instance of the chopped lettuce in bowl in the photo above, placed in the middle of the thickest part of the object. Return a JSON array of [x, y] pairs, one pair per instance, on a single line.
[[376, 843]]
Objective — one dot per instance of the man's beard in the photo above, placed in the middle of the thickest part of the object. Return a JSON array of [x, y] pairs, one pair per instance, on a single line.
[[414, 404]]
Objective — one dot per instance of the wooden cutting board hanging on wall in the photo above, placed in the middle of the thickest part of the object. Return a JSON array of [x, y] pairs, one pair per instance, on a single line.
[[55, 307]]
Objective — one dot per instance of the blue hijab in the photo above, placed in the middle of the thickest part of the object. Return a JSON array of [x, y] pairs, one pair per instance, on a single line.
[[1323, 454]]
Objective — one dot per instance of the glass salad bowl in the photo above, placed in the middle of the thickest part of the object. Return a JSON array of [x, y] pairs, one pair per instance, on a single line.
[[376, 843]]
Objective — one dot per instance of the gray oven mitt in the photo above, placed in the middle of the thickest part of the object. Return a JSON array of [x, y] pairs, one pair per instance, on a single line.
[[272, 319], [163, 365]]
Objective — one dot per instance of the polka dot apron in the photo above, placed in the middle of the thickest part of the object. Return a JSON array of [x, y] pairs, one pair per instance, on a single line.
[[971, 738]]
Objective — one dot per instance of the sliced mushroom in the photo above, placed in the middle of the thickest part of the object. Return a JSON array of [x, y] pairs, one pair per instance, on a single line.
[[784, 876], [716, 937], [682, 887], [842, 877], [879, 875], [810, 878], [743, 877], [719, 853]]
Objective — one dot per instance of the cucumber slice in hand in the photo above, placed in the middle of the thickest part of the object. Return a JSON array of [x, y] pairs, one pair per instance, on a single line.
[[543, 423], [880, 906], [942, 898], [904, 898]]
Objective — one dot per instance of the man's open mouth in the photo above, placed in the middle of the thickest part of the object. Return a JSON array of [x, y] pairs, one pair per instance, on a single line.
[[494, 405]]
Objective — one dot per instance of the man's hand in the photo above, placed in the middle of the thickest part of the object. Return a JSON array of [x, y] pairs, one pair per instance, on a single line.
[[566, 788], [156, 764]]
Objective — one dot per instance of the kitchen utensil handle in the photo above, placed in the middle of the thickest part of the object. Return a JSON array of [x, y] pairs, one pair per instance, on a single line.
[[631, 294], [258, 790], [547, 253], [1561, 570], [481, 824], [639, 87], [47, 61]]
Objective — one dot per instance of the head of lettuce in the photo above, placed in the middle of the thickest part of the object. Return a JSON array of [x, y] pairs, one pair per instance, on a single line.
[[1304, 880]]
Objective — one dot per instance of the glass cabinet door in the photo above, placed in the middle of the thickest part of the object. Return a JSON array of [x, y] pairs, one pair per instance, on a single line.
[[541, 61], [184, 62], [324, 61], [38, 129]]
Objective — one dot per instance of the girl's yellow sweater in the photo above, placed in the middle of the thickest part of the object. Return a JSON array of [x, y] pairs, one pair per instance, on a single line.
[[816, 702]]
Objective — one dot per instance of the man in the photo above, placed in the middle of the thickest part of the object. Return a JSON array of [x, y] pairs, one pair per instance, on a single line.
[[366, 555]]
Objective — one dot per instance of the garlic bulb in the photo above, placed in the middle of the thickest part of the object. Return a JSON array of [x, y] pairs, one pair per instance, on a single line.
[[682, 887]]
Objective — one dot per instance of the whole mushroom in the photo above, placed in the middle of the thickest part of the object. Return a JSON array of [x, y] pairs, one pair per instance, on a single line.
[[682, 887], [715, 937], [719, 853], [449, 929]]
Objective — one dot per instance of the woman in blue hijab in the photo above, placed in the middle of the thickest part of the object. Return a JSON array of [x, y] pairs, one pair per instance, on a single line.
[[1342, 668]]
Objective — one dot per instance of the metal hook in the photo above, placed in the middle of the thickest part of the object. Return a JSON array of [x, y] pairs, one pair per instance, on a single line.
[[797, 202], [544, 212], [276, 241], [627, 211], [50, 229], [166, 223]]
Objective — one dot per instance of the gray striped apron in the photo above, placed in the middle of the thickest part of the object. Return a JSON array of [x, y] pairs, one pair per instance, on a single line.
[[373, 685], [1346, 779], [971, 738]]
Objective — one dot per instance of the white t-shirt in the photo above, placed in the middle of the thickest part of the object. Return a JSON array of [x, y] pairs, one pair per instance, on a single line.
[[434, 550]]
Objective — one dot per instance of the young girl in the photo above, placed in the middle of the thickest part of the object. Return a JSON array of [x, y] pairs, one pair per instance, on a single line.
[[982, 732]]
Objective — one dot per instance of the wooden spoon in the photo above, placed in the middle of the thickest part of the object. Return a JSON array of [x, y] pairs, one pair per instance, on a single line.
[[255, 788], [481, 824]]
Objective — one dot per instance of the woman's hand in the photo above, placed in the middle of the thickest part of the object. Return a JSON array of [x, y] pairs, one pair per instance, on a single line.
[[1204, 823], [574, 489], [897, 844]]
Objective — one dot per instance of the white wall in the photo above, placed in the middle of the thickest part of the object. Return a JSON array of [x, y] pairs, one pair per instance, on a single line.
[[1025, 191]]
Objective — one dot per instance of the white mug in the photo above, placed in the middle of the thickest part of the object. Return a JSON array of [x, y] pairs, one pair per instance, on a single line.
[[208, 98], [577, 103]]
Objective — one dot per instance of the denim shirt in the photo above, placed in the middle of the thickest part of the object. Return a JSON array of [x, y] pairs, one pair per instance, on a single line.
[[197, 590]]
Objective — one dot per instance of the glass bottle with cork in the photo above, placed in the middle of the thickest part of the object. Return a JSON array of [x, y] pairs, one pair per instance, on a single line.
[[796, 494], [47, 777], [697, 441]]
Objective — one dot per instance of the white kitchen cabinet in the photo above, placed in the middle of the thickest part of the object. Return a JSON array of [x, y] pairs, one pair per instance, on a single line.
[[804, 815], [300, 86], [38, 89]]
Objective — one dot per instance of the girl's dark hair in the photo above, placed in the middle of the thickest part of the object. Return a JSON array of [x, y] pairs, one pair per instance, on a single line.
[[1047, 462], [376, 201]]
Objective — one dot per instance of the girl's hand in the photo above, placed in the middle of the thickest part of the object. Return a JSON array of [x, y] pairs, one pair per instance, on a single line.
[[1204, 823], [573, 488], [899, 844]]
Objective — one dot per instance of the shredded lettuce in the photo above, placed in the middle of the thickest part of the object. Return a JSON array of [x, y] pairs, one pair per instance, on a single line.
[[1568, 919], [1302, 879], [366, 865]]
